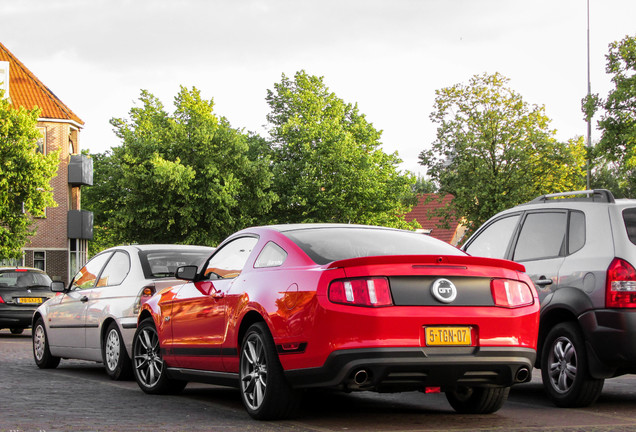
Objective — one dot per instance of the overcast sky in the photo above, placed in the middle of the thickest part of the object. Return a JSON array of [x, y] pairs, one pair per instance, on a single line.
[[389, 56]]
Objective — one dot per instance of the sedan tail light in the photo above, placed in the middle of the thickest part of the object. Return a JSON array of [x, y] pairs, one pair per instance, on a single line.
[[511, 293], [372, 292], [147, 292], [620, 289]]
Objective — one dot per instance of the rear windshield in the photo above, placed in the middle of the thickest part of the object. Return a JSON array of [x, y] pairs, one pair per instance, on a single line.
[[629, 217], [23, 279], [325, 245], [163, 263]]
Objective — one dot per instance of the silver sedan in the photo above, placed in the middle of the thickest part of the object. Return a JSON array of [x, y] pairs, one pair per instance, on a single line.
[[95, 317]]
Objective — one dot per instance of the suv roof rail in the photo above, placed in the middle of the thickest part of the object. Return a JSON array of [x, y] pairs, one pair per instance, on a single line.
[[596, 195]]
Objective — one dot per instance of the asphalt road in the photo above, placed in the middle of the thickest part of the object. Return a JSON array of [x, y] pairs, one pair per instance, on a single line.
[[79, 396]]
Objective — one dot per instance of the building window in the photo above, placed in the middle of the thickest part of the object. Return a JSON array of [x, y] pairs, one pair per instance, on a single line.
[[41, 141], [39, 260], [78, 254]]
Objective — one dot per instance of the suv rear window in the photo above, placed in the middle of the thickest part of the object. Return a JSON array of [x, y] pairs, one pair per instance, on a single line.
[[629, 217]]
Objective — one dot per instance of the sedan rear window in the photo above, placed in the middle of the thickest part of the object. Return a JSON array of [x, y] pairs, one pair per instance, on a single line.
[[325, 245], [23, 279]]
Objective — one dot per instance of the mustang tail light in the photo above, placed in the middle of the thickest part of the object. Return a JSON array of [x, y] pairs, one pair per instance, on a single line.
[[620, 288], [1, 299], [511, 293], [372, 292]]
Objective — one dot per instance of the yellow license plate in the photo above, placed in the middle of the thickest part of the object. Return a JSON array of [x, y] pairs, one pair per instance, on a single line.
[[30, 300], [448, 336]]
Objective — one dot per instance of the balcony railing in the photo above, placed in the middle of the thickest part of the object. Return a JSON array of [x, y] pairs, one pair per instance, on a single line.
[[80, 170], [80, 224]]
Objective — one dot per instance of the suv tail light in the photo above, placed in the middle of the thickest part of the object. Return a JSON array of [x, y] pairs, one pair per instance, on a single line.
[[511, 293], [620, 289], [372, 291]]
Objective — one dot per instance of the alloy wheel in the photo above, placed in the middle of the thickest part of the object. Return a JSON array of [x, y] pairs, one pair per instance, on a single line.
[[113, 347], [39, 342], [562, 362], [254, 371], [147, 357]]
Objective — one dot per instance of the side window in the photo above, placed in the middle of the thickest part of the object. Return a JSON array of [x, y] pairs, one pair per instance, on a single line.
[[493, 241], [87, 276], [115, 271], [272, 255], [228, 262], [576, 233], [542, 236]]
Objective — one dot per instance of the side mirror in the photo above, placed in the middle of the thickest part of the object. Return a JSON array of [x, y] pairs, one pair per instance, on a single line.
[[188, 273], [58, 286]]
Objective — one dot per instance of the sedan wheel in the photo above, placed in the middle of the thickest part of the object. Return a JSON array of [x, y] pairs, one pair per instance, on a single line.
[[264, 389], [41, 353], [116, 360], [148, 366], [564, 368]]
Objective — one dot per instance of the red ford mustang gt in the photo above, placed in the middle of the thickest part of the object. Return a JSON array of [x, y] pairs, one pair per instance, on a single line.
[[279, 309]]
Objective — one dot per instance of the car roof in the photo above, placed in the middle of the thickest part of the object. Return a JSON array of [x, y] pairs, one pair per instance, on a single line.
[[303, 226]]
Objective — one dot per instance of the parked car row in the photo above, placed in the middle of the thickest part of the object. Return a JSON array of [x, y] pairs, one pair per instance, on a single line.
[[279, 310]]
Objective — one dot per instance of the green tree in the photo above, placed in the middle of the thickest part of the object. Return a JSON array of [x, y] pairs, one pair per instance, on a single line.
[[424, 185], [328, 164], [493, 150], [25, 175], [616, 150], [186, 177]]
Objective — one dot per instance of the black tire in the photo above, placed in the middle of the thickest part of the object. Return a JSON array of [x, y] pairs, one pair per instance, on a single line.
[[41, 353], [16, 331], [150, 371], [477, 400], [564, 368], [265, 392], [116, 361]]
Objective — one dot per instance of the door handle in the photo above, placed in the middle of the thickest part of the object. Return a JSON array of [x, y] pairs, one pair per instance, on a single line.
[[543, 281], [84, 299]]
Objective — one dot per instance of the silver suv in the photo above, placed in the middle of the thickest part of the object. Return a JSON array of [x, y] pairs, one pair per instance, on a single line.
[[579, 249]]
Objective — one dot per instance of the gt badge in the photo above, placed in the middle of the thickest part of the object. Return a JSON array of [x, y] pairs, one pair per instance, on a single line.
[[444, 290]]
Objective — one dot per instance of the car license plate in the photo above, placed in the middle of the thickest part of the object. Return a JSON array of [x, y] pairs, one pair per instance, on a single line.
[[29, 300], [448, 336]]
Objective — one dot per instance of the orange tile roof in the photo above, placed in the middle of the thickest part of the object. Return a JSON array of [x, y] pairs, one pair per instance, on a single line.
[[26, 90], [424, 213]]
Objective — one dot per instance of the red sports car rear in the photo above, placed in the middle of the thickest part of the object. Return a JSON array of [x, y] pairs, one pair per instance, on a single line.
[[279, 309]]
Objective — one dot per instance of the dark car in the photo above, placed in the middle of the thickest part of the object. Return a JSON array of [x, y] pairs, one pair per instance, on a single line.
[[22, 290]]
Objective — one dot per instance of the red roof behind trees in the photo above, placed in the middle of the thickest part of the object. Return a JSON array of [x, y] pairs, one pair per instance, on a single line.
[[26, 90], [425, 214]]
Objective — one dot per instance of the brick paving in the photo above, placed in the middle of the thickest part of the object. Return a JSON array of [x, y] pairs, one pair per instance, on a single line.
[[79, 396]]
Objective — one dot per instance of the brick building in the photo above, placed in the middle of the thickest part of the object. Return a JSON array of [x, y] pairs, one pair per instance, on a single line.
[[61, 243], [425, 212]]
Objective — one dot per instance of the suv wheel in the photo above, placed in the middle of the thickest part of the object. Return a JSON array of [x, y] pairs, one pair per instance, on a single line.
[[564, 368]]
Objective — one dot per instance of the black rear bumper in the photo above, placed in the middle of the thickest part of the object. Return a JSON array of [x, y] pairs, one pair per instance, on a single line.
[[402, 369]]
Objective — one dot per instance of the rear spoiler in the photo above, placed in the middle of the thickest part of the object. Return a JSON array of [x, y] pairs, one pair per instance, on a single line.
[[436, 261]]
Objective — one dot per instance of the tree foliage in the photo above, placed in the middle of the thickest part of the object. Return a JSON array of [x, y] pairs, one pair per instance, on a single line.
[[328, 164], [616, 151], [493, 150], [25, 175], [186, 177]]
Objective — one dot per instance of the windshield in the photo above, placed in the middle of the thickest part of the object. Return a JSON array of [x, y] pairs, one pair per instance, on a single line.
[[23, 279], [325, 245]]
